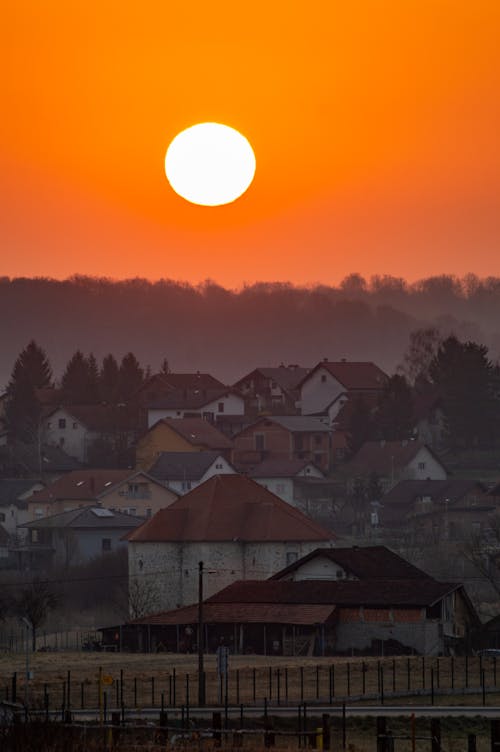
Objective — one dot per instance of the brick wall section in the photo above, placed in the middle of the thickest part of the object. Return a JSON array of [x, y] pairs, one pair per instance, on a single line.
[[349, 615], [377, 614], [406, 616]]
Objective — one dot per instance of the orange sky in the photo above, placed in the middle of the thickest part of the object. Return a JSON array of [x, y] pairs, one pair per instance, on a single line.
[[375, 126]]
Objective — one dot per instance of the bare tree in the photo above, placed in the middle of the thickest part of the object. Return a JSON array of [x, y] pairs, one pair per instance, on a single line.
[[34, 603], [143, 598]]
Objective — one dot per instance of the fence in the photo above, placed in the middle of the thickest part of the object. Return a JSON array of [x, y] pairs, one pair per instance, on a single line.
[[321, 684], [325, 732], [14, 640]]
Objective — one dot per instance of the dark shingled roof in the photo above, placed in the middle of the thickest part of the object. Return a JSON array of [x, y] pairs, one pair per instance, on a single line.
[[12, 488], [87, 518], [182, 465], [280, 468], [414, 592], [187, 400], [228, 508], [366, 563]]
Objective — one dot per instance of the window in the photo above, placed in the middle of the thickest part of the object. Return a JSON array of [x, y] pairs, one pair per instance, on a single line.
[[323, 378], [106, 544], [138, 491], [49, 424], [421, 465], [38, 513], [220, 407], [219, 466], [259, 442], [291, 557], [186, 485], [2, 517], [61, 441], [318, 439], [62, 422], [75, 425], [34, 536]]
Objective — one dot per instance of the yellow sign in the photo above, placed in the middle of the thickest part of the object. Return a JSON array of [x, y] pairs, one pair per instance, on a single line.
[[105, 679]]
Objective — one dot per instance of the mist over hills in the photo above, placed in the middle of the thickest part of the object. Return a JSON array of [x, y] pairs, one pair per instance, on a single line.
[[228, 333]]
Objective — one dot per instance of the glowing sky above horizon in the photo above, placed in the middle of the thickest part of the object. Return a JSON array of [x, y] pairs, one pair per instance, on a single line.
[[374, 123]]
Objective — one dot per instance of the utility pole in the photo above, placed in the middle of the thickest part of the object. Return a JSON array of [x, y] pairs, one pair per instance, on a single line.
[[201, 629]]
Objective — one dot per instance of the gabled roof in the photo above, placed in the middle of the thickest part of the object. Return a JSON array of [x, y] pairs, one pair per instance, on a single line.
[[197, 432], [293, 423], [353, 375], [83, 484], [11, 489], [172, 381], [87, 518], [230, 508], [281, 468], [183, 465], [365, 563], [383, 457], [179, 399]]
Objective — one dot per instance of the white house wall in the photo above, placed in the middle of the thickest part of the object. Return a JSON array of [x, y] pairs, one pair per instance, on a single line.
[[173, 566], [74, 438], [425, 467], [231, 403], [316, 395]]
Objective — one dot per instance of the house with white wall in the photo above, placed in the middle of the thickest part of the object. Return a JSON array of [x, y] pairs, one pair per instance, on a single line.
[[237, 528], [393, 461], [320, 388], [209, 404]]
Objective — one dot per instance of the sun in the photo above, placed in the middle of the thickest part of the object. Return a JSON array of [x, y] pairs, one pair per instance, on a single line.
[[210, 164]]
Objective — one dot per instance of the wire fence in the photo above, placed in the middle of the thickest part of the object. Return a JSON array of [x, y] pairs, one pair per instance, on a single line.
[[321, 684]]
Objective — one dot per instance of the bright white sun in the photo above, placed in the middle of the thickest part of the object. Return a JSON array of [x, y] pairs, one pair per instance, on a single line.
[[210, 164]]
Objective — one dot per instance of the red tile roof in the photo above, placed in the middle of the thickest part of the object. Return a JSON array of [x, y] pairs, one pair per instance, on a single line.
[[197, 431], [227, 508], [82, 484], [267, 613]]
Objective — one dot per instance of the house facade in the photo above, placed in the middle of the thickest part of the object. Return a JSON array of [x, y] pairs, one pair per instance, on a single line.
[[273, 390], [211, 405], [284, 437], [180, 435], [74, 537], [393, 461], [135, 493]]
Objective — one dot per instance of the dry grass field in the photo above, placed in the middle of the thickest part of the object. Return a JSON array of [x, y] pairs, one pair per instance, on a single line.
[[145, 680]]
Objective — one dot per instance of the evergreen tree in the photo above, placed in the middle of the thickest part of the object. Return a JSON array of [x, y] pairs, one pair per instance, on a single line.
[[131, 376], [395, 415], [109, 380], [360, 427], [22, 410], [92, 379], [467, 383], [75, 381]]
